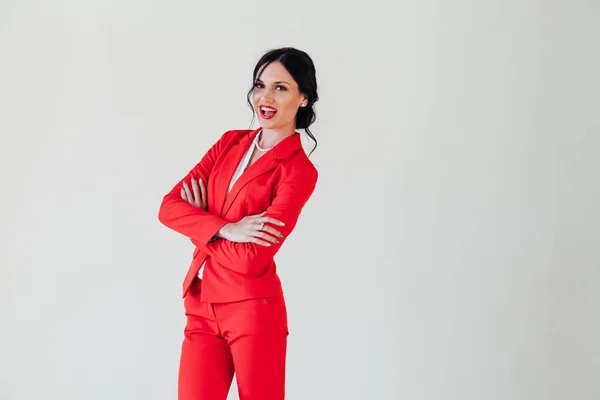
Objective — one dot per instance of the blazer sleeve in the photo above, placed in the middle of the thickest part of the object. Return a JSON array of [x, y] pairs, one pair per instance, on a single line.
[[251, 258], [184, 218]]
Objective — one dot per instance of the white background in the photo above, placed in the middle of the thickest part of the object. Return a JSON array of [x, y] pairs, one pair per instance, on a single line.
[[450, 251]]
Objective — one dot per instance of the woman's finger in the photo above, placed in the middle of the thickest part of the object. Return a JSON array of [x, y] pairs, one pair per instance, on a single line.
[[265, 236], [272, 231], [196, 189], [270, 220], [261, 242], [190, 197], [253, 227], [203, 197], [184, 195], [266, 228]]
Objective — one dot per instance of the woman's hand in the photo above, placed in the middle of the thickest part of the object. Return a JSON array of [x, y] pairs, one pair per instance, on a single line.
[[252, 229], [197, 195]]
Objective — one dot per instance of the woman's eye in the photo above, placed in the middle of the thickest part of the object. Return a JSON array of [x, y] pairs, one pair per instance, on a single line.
[[258, 85], [280, 87]]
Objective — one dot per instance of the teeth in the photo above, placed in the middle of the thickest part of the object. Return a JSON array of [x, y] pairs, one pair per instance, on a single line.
[[267, 109]]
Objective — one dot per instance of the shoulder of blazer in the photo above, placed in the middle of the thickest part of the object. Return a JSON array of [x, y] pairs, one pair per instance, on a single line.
[[233, 135], [299, 166], [228, 139]]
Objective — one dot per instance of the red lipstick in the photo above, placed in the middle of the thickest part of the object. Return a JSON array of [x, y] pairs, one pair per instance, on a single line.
[[267, 112]]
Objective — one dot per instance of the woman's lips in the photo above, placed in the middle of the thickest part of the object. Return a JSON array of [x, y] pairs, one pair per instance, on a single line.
[[267, 112]]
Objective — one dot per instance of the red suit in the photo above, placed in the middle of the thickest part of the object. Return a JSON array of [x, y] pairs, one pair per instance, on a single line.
[[236, 314]]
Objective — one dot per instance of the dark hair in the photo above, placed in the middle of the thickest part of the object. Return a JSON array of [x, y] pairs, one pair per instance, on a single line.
[[301, 67]]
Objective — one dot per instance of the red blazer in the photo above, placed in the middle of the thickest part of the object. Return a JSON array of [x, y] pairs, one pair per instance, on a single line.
[[280, 183]]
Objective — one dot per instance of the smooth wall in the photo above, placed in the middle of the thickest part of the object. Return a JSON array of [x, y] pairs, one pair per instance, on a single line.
[[450, 250]]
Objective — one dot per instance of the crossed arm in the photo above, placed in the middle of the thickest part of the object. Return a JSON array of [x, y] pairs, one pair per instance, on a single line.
[[235, 247], [252, 258], [181, 216]]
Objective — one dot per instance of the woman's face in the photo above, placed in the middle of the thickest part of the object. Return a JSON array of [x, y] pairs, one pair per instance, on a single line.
[[276, 97]]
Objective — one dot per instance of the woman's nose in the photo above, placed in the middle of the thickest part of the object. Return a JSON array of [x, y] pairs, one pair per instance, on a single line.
[[267, 94]]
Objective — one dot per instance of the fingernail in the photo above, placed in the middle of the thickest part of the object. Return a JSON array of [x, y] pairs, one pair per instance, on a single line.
[[276, 241], [281, 235]]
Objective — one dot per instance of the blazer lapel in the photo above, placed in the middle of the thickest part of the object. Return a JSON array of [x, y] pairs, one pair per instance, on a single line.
[[228, 166], [266, 163]]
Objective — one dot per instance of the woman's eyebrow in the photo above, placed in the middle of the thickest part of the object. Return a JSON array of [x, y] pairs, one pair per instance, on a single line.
[[276, 82]]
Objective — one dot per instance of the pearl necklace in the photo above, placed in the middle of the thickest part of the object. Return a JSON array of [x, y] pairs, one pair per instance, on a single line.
[[255, 141]]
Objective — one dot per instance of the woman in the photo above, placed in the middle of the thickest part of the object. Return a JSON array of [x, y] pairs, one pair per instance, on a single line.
[[238, 205]]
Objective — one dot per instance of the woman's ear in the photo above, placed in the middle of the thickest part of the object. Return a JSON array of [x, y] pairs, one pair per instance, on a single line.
[[304, 101]]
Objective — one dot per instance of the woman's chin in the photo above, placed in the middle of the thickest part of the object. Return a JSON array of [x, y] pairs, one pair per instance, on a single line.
[[267, 124]]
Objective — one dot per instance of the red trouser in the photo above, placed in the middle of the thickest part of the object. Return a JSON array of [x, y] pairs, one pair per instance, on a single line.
[[248, 337]]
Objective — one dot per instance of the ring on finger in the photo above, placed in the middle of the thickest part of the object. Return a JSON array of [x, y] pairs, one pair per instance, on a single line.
[[262, 226]]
